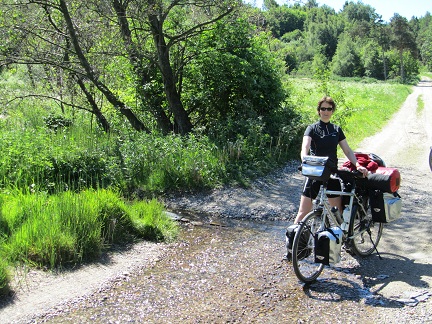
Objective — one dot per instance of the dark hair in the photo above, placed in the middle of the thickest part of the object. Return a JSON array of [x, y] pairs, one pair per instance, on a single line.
[[327, 99]]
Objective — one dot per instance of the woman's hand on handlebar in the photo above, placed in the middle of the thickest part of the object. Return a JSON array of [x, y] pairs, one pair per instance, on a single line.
[[363, 170]]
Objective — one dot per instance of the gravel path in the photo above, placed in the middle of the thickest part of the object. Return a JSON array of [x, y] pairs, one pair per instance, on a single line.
[[228, 267]]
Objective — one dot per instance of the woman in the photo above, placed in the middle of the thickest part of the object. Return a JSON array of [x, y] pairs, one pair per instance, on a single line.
[[322, 139]]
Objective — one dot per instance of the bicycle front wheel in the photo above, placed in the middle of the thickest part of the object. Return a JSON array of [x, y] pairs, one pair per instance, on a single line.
[[366, 234], [303, 249]]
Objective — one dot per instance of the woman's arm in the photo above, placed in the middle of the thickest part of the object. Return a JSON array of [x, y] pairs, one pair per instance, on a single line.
[[351, 156], [347, 151], [306, 143]]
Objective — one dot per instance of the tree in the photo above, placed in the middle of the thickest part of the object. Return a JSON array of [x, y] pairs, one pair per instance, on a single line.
[[282, 20], [48, 38], [359, 19], [269, 4], [157, 37], [234, 77], [372, 61], [346, 61], [402, 38], [381, 33], [90, 72], [424, 40], [322, 28], [142, 66]]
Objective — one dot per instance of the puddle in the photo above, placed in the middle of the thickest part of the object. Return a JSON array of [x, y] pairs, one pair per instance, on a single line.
[[207, 219]]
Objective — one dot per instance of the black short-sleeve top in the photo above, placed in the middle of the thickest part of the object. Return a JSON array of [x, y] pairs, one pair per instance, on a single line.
[[325, 139]]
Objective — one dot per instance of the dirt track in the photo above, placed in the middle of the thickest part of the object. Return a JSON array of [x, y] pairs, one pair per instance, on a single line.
[[236, 273]]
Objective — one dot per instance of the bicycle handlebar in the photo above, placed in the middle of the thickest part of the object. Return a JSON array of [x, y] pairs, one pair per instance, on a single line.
[[351, 174], [355, 174]]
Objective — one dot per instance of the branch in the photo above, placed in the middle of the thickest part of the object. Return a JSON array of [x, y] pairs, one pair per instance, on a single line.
[[196, 28], [51, 98]]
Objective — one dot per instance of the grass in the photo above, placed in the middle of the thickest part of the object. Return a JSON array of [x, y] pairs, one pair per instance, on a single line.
[[49, 231], [420, 105]]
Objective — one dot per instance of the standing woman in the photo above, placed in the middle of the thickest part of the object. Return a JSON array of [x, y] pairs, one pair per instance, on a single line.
[[322, 139]]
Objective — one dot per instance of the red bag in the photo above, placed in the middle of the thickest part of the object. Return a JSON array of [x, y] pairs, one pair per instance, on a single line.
[[385, 179]]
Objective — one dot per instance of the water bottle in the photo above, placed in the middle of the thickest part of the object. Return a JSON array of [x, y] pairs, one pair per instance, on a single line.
[[346, 215], [337, 213], [346, 218]]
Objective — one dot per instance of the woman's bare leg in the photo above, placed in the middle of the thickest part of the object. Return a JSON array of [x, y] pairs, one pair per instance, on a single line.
[[304, 208]]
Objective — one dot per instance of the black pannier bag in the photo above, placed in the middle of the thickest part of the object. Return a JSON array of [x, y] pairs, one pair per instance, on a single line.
[[385, 207], [317, 167], [290, 233], [328, 245], [303, 250]]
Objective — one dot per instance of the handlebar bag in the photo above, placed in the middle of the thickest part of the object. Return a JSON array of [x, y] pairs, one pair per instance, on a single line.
[[317, 167]]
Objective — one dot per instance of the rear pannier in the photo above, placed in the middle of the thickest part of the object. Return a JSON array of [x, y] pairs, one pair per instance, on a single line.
[[385, 207]]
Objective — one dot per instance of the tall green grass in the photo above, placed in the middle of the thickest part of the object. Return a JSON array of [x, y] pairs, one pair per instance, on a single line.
[[64, 229]]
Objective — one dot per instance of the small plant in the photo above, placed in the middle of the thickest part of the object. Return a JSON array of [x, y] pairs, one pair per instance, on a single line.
[[420, 104], [56, 122]]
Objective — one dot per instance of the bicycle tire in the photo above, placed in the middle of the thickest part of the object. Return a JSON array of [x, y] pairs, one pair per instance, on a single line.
[[430, 159], [366, 233], [303, 257]]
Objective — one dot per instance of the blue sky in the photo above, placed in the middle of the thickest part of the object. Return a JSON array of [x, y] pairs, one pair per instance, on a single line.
[[385, 8]]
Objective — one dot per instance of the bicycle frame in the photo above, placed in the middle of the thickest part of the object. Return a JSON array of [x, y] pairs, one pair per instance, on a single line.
[[327, 212], [354, 224]]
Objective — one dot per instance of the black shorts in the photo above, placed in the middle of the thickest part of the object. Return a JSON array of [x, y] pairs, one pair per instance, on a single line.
[[311, 187]]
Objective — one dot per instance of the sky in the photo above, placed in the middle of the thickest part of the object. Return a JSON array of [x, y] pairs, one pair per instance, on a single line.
[[385, 8]]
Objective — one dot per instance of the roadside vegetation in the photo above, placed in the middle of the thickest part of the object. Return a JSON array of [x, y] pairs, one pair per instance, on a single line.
[[98, 121], [69, 194]]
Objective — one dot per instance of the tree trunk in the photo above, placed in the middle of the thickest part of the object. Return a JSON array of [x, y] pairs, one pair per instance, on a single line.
[[183, 123], [125, 111], [95, 109], [136, 59]]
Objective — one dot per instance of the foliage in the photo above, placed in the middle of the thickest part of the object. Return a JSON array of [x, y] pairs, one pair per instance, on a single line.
[[282, 20], [241, 81], [358, 33]]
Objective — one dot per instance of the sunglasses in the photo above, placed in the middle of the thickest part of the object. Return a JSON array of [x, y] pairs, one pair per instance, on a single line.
[[324, 109]]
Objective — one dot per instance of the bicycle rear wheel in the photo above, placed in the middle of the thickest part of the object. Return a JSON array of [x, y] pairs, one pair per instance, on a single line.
[[430, 159], [303, 249], [366, 234]]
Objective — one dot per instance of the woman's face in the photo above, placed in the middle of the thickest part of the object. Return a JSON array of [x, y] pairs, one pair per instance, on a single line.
[[325, 112]]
